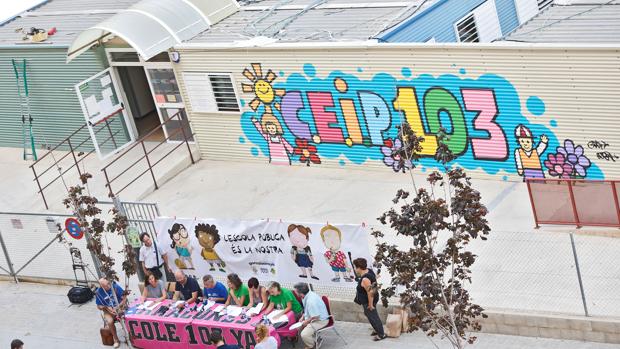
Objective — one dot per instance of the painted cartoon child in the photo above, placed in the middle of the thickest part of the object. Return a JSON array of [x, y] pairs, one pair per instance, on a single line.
[[208, 236], [279, 148], [301, 252], [181, 243], [332, 238], [528, 157]]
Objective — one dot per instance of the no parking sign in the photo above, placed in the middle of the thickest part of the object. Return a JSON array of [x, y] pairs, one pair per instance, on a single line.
[[73, 228]]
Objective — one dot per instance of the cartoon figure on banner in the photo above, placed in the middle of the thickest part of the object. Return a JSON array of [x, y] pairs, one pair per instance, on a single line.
[[337, 260], [279, 148], [208, 236], [528, 157], [181, 244], [301, 252]]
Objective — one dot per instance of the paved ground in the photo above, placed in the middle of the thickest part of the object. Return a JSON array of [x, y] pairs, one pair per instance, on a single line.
[[42, 317]]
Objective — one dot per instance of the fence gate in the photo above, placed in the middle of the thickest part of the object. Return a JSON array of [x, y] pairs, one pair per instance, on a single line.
[[141, 219]]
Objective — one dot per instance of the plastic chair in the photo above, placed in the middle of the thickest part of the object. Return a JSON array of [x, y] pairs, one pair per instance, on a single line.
[[330, 326]]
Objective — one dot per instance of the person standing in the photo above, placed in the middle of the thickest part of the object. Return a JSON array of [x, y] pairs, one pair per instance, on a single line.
[[152, 258], [366, 296], [109, 298], [315, 314]]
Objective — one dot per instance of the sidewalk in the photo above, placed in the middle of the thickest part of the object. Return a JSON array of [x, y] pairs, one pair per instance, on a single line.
[[42, 317]]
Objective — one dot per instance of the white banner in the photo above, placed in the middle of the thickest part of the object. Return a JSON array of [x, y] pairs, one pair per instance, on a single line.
[[267, 250]]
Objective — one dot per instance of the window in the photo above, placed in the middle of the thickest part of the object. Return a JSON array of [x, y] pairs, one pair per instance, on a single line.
[[124, 57], [210, 92], [224, 92], [466, 29], [543, 4]]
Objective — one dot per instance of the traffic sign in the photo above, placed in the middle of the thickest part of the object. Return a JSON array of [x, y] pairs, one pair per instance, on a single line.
[[73, 228]]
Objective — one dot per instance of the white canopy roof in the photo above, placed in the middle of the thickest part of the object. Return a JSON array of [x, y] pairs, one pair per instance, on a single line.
[[153, 26]]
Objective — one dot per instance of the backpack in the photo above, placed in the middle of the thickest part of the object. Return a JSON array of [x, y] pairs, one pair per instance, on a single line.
[[80, 294]]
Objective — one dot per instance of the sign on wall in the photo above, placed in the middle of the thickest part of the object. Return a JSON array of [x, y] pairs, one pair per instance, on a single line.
[[302, 117], [267, 250]]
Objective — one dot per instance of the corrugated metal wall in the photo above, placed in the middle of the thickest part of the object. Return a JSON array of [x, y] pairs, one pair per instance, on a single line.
[[566, 94], [55, 107]]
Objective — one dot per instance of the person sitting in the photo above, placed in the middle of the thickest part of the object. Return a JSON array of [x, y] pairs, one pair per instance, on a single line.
[[315, 315], [186, 287], [282, 299], [216, 339], [238, 293], [153, 288], [108, 302], [264, 340], [214, 291], [258, 293]]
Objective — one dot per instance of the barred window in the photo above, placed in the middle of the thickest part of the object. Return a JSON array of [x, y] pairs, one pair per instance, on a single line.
[[224, 92], [466, 29]]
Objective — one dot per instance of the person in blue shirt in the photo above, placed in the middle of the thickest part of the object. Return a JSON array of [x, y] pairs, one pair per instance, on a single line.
[[214, 290], [216, 339], [108, 302], [315, 315]]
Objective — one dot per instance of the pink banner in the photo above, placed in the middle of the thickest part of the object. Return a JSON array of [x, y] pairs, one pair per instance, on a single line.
[[191, 329]]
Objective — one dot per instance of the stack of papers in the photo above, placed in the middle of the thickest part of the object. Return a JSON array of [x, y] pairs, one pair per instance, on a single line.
[[219, 308], [233, 310], [295, 326], [277, 316], [255, 310]]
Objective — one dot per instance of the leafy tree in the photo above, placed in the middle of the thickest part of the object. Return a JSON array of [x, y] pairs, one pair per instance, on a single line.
[[432, 274], [95, 228]]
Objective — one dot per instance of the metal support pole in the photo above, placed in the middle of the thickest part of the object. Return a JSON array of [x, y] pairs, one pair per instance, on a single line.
[[572, 201], [74, 157], [529, 191], [189, 149], [146, 155], [8, 259], [583, 295], [616, 204], [39, 185]]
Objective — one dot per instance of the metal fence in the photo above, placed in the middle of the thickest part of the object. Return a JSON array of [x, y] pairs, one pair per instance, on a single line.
[[538, 272], [575, 202], [31, 247]]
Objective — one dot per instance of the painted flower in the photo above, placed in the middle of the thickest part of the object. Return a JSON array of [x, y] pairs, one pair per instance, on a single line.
[[306, 152], [391, 157], [558, 167], [574, 156]]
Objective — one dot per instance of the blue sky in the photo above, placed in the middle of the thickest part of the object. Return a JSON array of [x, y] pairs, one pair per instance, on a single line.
[[9, 8]]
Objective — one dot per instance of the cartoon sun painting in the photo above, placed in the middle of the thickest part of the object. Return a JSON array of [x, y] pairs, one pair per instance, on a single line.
[[268, 126], [262, 88]]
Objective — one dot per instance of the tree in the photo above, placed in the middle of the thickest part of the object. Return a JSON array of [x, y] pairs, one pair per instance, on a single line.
[[440, 222]]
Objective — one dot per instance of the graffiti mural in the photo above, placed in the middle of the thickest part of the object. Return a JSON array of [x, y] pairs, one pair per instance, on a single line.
[[302, 118]]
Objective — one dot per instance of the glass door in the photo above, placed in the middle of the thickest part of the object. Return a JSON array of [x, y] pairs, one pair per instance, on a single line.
[[105, 113], [169, 104]]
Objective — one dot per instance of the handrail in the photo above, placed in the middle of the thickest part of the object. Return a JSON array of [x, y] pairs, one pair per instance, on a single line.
[[142, 138], [75, 163], [150, 165]]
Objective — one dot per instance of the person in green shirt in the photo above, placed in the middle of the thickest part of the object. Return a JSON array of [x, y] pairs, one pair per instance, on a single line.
[[283, 299], [238, 293]]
